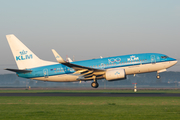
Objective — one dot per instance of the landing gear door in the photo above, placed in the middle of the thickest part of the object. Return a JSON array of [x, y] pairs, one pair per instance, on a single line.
[[45, 72], [153, 59]]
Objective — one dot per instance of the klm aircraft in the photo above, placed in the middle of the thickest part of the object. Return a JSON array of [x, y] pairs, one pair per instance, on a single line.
[[109, 68]]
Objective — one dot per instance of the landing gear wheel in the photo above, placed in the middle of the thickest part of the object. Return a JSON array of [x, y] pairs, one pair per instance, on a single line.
[[94, 84], [158, 77]]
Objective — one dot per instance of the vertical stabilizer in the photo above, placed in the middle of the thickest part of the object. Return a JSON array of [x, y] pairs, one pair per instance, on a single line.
[[23, 56]]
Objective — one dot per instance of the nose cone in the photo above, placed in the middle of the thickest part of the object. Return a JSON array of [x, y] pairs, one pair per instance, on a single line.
[[174, 62], [172, 59]]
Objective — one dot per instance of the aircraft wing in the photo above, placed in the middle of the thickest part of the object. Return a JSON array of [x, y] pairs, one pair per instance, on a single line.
[[85, 73]]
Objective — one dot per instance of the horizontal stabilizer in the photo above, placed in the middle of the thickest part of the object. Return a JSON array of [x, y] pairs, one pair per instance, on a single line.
[[19, 71]]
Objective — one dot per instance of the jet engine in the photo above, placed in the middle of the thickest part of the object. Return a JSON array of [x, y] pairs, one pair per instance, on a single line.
[[115, 74]]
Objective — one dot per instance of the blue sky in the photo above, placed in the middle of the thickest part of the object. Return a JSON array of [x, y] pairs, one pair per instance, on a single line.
[[89, 29]]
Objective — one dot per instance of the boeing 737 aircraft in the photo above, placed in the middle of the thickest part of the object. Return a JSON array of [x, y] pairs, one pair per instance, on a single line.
[[109, 68]]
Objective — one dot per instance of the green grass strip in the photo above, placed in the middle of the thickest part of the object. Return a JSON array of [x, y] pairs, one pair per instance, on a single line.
[[88, 108]]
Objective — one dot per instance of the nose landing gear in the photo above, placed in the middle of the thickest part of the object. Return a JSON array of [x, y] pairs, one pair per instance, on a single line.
[[158, 76]]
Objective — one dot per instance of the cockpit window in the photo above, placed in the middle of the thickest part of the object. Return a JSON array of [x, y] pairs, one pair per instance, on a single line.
[[164, 57]]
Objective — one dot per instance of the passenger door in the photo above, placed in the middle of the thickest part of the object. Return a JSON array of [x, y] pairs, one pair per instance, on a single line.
[[45, 71], [153, 59]]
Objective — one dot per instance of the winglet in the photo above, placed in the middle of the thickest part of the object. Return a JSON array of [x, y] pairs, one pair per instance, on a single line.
[[58, 57]]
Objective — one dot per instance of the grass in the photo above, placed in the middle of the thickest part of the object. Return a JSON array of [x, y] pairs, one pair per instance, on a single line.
[[91, 91], [80, 108]]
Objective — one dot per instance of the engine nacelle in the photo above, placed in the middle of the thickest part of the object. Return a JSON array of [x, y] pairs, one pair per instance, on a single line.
[[115, 74]]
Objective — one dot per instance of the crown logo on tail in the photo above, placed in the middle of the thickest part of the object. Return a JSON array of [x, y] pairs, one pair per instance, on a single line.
[[23, 52]]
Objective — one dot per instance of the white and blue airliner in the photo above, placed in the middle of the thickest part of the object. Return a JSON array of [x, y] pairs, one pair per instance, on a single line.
[[109, 68]]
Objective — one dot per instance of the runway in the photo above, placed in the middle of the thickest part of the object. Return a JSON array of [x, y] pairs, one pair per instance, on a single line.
[[95, 94]]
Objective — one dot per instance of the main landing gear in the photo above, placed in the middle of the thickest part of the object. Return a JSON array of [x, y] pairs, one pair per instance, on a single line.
[[95, 83]]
